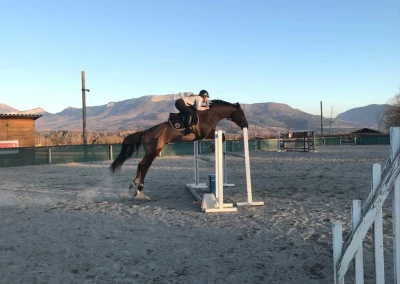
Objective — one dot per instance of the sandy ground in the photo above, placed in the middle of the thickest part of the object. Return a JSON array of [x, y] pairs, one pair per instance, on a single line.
[[76, 223]]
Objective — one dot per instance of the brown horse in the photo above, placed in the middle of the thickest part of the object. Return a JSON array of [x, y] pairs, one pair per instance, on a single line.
[[154, 138]]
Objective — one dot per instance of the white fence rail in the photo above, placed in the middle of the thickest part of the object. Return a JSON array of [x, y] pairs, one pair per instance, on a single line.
[[371, 214]]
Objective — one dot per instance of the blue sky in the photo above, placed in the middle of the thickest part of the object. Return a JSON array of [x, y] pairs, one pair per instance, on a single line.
[[344, 53]]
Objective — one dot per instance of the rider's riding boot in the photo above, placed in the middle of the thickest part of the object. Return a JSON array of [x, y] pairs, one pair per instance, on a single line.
[[188, 121]]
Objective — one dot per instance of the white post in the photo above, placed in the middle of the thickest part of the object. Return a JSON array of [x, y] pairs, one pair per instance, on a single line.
[[248, 175], [372, 212], [219, 182], [337, 238], [226, 184], [378, 229], [196, 185], [394, 151], [279, 141], [49, 155], [211, 202], [215, 202], [225, 168], [359, 265], [247, 165], [196, 162], [396, 230]]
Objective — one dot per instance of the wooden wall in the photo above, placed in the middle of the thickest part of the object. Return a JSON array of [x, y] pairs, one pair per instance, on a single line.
[[21, 129]]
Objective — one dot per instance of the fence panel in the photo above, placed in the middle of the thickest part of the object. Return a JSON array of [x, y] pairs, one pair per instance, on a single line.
[[371, 214], [177, 149], [80, 153], [373, 140]]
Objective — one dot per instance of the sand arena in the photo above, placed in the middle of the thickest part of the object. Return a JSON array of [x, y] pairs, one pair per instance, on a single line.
[[76, 223]]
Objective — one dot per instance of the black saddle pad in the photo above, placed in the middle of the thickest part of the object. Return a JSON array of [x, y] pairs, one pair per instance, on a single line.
[[176, 120]]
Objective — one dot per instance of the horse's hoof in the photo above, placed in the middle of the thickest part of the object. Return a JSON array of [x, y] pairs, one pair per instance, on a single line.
[[140, 187], [141, 196], [135, 193]]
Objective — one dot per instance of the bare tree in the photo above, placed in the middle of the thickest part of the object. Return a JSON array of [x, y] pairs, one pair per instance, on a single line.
[[56, 138], [380, 119], [392, 113]]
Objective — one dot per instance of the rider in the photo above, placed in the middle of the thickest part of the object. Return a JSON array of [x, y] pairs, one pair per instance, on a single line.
[[187, 106]]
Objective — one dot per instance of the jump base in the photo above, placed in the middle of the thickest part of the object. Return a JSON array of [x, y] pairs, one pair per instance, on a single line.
[[210, 204]]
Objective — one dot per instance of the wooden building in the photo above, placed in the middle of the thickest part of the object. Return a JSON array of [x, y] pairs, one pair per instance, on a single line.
[[366, 131], [18, 127]]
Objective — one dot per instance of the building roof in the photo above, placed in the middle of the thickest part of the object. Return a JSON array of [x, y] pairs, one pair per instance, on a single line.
[[19, 115], [367, 130]]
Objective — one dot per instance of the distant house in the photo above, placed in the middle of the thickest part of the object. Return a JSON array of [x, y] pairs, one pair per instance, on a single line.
[[17, 130], [366, 131]]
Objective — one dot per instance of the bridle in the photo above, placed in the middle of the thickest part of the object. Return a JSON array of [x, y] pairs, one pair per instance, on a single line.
[[237, 110], [241, 123]]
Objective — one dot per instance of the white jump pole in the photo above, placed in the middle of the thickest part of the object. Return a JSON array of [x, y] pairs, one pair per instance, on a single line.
[[196, 163], [281, 139], [197, 184], [215, 203], [226, 184], [197, 157], [248, 175], [219, 170]]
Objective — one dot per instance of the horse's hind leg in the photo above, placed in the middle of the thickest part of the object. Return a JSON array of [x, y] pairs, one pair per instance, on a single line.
[[137, 179], [152, 148], [145, 167], [143, 164], [142, 169], [138, 175]]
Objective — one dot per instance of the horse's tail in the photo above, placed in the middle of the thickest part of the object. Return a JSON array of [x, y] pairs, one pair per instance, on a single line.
[[130, 144]]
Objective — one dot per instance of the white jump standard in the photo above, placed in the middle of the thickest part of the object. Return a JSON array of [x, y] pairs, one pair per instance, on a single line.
[[248, 175], [210, 159], [214, 202], [211, 202]]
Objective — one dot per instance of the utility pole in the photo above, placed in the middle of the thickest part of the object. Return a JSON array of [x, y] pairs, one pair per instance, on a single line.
[[84, 138], [322, 126]]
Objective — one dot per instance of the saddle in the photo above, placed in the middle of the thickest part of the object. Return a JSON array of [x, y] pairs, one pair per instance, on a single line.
[[176, 121]]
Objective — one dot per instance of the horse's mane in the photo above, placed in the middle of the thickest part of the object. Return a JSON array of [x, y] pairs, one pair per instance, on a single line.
[[221, 103]]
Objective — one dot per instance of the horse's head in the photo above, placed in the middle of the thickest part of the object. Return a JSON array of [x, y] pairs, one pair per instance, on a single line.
[[238, 117], [232, 112]]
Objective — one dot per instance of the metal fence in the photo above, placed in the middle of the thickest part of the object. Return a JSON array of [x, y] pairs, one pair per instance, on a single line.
[[90, 153]]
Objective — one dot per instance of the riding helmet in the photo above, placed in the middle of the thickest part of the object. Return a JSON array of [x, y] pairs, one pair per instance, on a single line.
[[204, 93]]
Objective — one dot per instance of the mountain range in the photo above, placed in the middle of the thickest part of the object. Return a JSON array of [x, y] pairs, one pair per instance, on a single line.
[[146, 111], [369, 115]]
